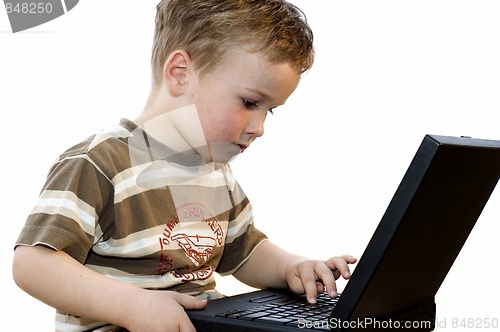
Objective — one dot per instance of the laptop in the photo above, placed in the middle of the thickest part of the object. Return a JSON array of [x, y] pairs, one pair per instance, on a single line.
[[393, 286]]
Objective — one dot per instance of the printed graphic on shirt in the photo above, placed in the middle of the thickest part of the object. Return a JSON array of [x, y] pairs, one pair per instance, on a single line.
[[201, 274], [197, 236]]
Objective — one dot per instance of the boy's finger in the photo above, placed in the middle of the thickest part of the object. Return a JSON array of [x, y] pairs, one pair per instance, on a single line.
[[190, 302], [320, 287], [327, 277], [341, 264], [308, 281]]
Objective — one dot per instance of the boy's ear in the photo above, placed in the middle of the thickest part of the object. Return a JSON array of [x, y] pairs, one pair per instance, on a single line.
[[175, 72]]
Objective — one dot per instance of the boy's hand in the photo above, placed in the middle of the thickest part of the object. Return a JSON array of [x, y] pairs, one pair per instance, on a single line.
[[97, 296], [164, 311], [313, 277]]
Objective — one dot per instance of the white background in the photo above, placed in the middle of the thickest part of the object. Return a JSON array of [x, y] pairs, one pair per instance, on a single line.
[[386, 74]]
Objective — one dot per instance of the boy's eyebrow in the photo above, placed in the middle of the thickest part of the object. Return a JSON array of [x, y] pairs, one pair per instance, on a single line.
[[260, 93]]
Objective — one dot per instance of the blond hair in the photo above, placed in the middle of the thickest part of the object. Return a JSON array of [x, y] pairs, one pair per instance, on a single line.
[[208, 29]]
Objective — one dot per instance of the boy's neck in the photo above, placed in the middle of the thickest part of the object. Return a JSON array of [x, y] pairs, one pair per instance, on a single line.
[[158, 103], [176, 126]]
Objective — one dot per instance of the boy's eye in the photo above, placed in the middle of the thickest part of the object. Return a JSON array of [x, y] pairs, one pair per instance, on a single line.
[[250, 104]]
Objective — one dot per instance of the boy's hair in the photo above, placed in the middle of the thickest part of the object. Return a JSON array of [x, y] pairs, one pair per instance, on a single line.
[[208, 29]]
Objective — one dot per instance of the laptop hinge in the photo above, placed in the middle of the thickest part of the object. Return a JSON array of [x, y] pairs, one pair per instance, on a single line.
[[421, 316], [418, 317]]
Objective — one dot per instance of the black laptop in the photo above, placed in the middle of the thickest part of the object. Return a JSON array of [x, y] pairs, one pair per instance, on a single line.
[[435, 207]]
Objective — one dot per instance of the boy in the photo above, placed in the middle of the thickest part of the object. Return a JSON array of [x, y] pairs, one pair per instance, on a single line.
[[132, 223]]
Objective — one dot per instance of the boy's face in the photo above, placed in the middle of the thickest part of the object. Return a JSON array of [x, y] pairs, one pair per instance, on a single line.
[[233, 101]]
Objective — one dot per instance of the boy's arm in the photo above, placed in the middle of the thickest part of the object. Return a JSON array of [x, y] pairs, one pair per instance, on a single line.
[[269, 266], [58, 280]]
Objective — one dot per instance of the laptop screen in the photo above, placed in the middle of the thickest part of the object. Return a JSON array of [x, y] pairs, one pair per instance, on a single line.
[[423, 229]]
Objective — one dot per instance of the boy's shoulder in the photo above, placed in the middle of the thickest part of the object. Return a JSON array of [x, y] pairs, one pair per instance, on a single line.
[[108, 146], [108, 136]]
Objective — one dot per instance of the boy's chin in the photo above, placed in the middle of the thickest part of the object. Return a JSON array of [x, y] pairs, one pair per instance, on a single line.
[[220, 152]]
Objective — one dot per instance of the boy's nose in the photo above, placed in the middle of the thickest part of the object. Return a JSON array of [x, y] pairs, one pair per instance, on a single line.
[[256, 124]]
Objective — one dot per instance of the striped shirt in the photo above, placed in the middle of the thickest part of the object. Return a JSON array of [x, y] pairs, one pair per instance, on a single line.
[[127, 206]]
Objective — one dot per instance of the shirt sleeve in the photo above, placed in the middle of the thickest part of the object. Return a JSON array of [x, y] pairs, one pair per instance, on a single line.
[[242, 239], [65, 216]]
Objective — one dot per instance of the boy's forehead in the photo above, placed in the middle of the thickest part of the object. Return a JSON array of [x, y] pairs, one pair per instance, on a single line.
[[252, 72], [250, 65]]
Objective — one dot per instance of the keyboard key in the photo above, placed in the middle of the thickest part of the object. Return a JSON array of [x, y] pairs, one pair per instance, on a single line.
[[275, 320], [254, 315]]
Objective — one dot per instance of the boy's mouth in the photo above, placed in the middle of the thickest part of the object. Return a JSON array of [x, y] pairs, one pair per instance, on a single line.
[[242, 147]]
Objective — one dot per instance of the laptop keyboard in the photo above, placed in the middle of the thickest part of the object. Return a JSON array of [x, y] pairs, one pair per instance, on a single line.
[[291, 312]]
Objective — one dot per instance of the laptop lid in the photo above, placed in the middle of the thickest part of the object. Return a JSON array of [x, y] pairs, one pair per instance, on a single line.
[[427, 222]]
